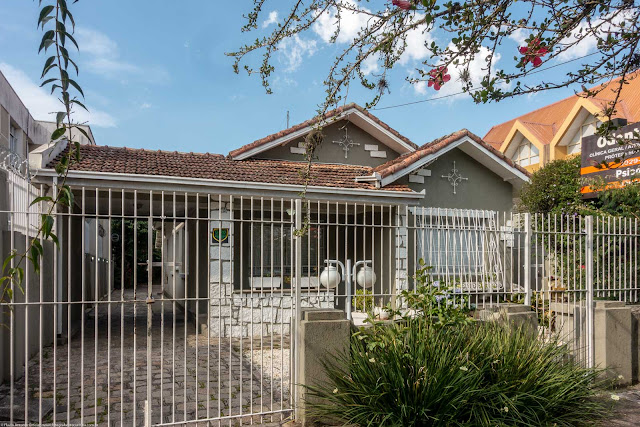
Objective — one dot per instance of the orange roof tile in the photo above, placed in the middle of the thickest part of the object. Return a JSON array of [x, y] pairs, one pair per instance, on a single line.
[[434, 146], [546, 121], [311, 122], [128, 161]]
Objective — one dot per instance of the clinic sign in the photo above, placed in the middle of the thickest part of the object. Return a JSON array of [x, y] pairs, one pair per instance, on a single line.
[[609, 162]]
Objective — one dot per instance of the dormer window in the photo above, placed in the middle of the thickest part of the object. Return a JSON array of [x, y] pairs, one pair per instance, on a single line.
[[526, 154], [588, 128]]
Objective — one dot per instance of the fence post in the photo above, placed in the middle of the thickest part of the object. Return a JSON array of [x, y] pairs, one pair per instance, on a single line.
[[588, 271], [527, 259], [298, 312]]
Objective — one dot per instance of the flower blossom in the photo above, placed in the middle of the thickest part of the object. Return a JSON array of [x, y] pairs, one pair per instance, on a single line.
[[533, 52], [402, 4], [438, 77]]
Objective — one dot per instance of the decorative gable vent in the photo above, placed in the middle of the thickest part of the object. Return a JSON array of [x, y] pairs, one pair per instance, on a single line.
[[375, 152]]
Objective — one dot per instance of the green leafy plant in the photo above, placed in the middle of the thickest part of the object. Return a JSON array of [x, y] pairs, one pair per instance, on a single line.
[[58, 24], [482, 373], [363, 301], [438, 301]]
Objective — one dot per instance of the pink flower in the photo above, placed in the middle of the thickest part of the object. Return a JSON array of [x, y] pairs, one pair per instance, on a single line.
[[438, 77], [533, 52], [402, 4]]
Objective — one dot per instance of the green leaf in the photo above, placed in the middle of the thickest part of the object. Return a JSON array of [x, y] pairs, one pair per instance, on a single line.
[[47, 64], [41, 199], [35, 258], [58, 133], [59, 118], [70, 37], [62, 31], [82, 131], [75, 101], [46, 82], [55, 240], [77, 86], [47, 37], [43, 14]]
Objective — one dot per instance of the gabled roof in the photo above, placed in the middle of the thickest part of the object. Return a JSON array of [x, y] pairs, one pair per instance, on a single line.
[[357, 114], [545, 122], [128, 161], [480, 150]]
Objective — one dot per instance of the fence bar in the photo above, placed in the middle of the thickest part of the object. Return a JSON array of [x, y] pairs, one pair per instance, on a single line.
[[588, 221]]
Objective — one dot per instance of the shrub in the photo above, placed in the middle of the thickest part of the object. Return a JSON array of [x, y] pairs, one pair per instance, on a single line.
[[555, 188], [420, 374]]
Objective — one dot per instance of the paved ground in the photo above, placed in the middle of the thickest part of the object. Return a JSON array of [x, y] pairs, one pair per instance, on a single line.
[[187, 380], [626, 411]]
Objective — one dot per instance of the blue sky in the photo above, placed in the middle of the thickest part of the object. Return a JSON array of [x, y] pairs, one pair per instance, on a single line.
[[155, 76]]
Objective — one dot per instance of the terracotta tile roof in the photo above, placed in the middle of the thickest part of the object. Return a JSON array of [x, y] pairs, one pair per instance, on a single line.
[[434, 146], [311, 122], [554, 115], [130, 161]]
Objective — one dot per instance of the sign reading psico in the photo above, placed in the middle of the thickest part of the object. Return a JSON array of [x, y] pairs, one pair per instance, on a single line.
[[606, 159]]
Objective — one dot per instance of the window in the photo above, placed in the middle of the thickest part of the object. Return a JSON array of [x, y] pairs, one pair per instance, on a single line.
[[587, 129], [13, 139], [459, 243], [526, 154], [271, 250]]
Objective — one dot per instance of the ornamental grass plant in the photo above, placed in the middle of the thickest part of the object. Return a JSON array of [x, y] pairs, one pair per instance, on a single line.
[[417, 373]]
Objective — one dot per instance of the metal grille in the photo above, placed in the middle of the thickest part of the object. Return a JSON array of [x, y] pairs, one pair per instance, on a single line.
[[169, 308]]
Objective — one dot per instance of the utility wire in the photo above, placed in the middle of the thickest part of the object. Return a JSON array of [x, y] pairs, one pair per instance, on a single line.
[[436, 98]]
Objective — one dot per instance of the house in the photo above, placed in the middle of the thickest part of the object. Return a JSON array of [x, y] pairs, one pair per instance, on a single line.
[[555, 131], [225, 226]]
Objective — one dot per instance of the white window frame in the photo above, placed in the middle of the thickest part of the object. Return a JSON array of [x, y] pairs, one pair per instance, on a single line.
[[588, 128], [526, 154]]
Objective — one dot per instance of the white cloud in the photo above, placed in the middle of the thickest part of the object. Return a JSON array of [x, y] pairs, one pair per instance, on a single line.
[[370, 64], [271, 19], [101, 56], [293, 50], [42, 105], [145, 106], [519, 36], [350, 23], [416, 40]]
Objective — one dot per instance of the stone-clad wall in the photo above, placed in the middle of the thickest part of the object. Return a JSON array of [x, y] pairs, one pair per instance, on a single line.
[[243, 314]]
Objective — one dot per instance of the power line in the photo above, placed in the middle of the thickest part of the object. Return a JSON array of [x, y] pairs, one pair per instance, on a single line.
[[437, 98]]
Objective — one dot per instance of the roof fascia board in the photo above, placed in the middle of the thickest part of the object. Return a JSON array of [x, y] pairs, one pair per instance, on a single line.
[[514, 171], [419, 163], [517, 173], [305, 130], [385, 132], [519, 127], [582, 103], [107, 179]]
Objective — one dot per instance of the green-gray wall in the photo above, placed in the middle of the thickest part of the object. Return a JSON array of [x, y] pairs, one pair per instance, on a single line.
[[328, 152], [483, 190]]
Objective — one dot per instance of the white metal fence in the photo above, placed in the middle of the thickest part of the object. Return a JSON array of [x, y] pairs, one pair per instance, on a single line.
[[170, 308]]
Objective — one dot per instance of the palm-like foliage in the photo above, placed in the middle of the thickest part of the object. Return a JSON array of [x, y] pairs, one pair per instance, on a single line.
[[422, 374]]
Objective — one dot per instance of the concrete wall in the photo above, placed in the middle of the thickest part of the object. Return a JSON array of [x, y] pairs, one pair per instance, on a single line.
[[483, 190], [328, 152], [27, 320]]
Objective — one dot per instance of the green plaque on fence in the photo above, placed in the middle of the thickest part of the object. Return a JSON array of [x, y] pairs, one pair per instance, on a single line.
[[220, 235]]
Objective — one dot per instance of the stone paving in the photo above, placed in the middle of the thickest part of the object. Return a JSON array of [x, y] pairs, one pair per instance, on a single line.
[[192, 377]]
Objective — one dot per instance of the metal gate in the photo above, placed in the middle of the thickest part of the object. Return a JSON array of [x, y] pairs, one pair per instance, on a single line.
[[155, 309]]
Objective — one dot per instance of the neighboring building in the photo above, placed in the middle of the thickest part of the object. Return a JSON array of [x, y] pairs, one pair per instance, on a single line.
[[556, 130], [24, 142]]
